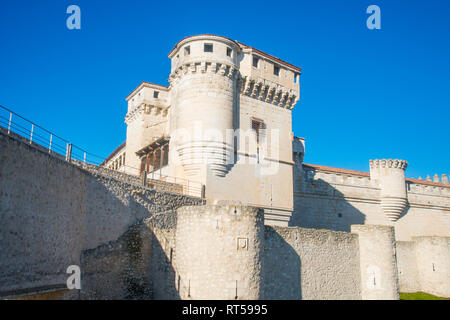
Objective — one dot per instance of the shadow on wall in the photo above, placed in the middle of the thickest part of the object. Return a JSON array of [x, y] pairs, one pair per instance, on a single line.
[[117, 270], [134, 267], [319, 205], [54, 212], [162, 272], [281, 269]]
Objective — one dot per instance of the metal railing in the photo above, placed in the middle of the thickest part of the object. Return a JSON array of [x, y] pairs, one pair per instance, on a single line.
[[188, 187], [173, 184], [28, 131], [16, 125]]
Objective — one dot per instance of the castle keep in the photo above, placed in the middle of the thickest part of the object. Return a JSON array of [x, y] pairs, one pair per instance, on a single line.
[[225, 118], [209, 198]]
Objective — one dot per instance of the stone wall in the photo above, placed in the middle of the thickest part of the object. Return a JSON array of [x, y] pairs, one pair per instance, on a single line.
[[335, 201], [51, 211], [378, 262], [268, 183], [424, 265], [219, 252], [408, 276], [309, 264], [293, 263], [119, 269], [433, 264], [163, 276], [131, 243], [155, 184]]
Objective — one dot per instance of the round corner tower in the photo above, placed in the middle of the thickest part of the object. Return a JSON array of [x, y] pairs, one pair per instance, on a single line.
[[219, 252], [203, 85], [390, 175]]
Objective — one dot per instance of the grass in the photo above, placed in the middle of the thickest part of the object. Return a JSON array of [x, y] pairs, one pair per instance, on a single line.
[[420, 296]]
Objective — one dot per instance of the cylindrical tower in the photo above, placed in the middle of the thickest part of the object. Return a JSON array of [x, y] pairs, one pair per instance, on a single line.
[[378, 262], [390, 175], [203, 96], [219, 251]]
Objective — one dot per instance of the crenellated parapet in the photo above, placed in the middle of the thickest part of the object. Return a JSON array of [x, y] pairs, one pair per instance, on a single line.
[[134, 113], [388, 163], [146, 108], [335, 183], [443, 179], [259, 89], [147, 98], [415, 187], [203, 67], [267, 91]]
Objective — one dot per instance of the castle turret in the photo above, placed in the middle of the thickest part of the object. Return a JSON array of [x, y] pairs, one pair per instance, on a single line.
[[204, 92], [218, 252], [378, 262], [390, 175]]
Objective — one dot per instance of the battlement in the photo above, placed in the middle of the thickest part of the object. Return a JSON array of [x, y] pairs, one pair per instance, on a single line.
[[317, 173], [268, 91], [424, 188], [443, 180], [388, 163], [147, 98], [261, 76], [201, 48], [204, 66], [338, 178]]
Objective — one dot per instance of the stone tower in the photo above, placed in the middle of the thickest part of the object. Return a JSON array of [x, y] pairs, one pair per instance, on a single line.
[[390, 175], [219, 252], [203, 94], [223, 125], [378, 262]]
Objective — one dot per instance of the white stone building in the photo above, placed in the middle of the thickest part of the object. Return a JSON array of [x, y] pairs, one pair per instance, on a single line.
[[225, 122], [272, 227]]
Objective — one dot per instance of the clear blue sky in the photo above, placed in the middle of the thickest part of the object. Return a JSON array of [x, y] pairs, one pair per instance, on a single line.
[[364, 93]]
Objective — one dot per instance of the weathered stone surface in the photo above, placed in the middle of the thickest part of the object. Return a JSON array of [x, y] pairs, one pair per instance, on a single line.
[[51, 211], [132, 244], [378, 262], [310, 264], [218, 252]]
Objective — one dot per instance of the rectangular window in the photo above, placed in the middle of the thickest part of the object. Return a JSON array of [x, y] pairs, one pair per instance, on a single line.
[[166, 155], [255, 62], [208, 47], [155, 94], [229, 51], [187, 50], [276, 70], [257, 126]]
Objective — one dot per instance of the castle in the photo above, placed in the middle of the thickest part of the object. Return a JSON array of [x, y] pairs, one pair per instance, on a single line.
[[225, 119], [260, 223]]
